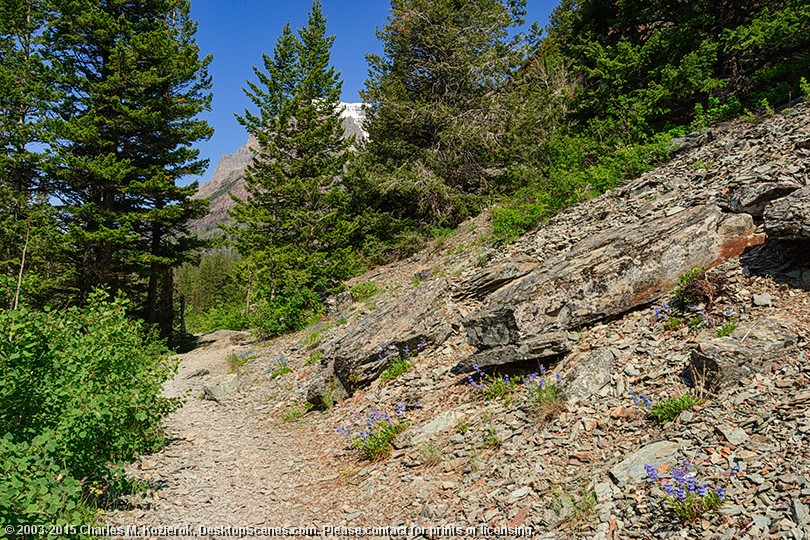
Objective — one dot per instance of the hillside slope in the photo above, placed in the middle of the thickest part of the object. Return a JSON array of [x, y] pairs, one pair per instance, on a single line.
[[587, 296]]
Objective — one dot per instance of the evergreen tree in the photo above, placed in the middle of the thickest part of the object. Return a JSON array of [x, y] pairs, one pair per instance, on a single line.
[[645, 64], [28, 237], [436, 119], [293, 230], [135, 86]]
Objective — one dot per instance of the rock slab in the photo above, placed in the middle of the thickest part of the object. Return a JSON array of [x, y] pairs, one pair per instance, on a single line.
[[631, 468], [723, 361], [601, 277], [789, 218]]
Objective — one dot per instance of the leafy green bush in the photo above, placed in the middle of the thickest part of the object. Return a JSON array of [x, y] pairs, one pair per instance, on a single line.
[[544, 399], [220, 317], [804, 86], [685, 280], [81, 396], [372, 433], [726, 330], [288, 311], [396, 368], [364, 291]]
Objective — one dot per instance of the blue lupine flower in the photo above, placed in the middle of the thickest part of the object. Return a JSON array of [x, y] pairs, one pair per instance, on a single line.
[[633, 395], [720, 493], [652, 472], [647, 402], [702, 491]]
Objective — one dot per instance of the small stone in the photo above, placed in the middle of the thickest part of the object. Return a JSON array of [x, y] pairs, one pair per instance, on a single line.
[[519, 494], [448, 485], [631, 468], [761, 522], [198, 373], [801, 514], [763, 300], [223, 389], [733, 435]]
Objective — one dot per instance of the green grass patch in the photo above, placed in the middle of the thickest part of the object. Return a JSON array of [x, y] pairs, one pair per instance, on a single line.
[[726, 330], [395, 369], [669, 409], [313, 359]]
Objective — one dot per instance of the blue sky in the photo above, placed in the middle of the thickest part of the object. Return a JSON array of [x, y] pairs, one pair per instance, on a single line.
[[239, 31]]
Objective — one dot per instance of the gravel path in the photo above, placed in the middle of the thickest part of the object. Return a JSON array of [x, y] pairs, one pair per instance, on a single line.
[[236, 463]]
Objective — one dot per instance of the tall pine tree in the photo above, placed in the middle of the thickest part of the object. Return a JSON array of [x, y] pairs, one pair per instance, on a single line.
[[435, 109], [135, 86], [29, 241], [292, 230]]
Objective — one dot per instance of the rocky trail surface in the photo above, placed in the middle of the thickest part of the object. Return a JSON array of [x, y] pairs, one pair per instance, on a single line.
[[588, 296]]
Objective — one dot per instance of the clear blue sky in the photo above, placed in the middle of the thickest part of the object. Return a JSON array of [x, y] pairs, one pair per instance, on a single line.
[[239, 31]]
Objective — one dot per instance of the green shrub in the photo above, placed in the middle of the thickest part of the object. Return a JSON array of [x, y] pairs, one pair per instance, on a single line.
[[372, 433], [220, 317], [430, 452], [286, 312], [364, 291], [669, 409], [491, 439], [544, 399], [294, 411], [685, 280], [81, 395], [805, 87]]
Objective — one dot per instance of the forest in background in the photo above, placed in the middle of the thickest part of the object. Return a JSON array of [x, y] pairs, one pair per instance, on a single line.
[[100, 106], [467, 111]]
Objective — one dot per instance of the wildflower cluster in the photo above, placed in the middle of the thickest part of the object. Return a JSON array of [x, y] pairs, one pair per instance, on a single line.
[[236, 361], [494, 387], [278, 366], [373, 431], [685, 495], [544, 398]]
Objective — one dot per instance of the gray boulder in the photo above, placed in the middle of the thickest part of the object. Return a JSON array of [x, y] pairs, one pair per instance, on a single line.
[[789, 218], [753, 198], [355, 359], [601, 277], [222, 390], [589, 376], [723, 361]]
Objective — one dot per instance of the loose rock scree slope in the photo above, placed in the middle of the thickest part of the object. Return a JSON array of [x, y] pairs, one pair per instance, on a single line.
[[588, 295]]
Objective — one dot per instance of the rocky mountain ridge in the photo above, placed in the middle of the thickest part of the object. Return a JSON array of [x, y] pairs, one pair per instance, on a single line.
[[588, 296], [229, 174]]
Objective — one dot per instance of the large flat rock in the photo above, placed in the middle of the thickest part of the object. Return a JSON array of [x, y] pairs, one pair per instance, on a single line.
[[789, 218], [601, 277], [723, 361], [421, 316]]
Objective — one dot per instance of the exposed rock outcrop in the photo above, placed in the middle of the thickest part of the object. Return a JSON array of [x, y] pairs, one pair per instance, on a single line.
[[723, 361], [789, 218], [600, 278]]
